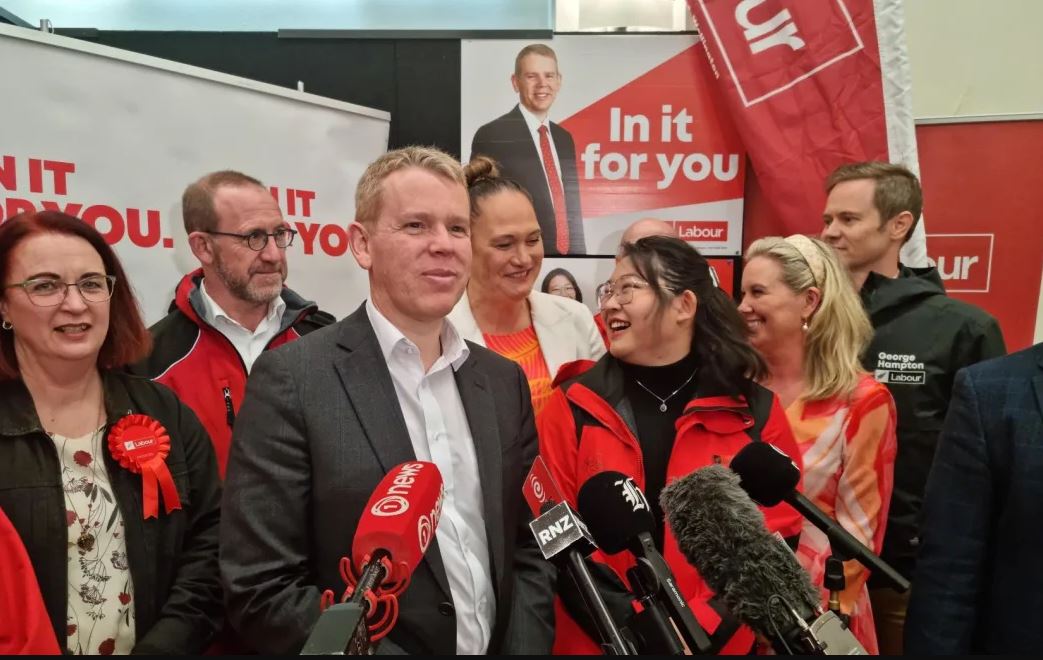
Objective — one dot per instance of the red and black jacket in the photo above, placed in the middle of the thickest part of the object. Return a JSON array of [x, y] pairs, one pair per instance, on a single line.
[[588, 427], [202, 366]]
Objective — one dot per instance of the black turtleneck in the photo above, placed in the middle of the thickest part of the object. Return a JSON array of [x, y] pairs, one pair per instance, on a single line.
[[655, 428]]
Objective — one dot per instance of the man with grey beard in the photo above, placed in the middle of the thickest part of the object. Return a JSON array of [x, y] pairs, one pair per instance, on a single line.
[[233, 307]]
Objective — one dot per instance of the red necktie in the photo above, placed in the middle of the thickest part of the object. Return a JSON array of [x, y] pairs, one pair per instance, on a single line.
[[557, 194]]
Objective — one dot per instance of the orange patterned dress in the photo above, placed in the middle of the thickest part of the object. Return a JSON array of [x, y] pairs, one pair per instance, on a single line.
[[849, 447], [523, 347]]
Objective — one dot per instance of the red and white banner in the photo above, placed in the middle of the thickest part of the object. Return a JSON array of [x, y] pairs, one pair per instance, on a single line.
[[813, 84], [652, 136], [114, 137], [985, 236]]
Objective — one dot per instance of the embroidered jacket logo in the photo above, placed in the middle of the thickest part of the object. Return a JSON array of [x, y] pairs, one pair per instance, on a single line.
[[899, 369]]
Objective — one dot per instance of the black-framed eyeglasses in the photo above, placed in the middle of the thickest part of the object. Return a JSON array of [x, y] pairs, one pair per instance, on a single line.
[[50, 292], [257, 240]]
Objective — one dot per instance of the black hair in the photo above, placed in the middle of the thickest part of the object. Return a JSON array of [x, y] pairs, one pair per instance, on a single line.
[[483, 179], [720, 340], [561, 271]]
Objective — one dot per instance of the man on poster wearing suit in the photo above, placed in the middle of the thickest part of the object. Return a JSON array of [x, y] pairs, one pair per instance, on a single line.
[[327, 416], [538, 153]]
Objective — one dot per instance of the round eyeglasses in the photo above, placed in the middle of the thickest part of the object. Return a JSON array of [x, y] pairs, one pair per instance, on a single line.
[[623, 290], [257, 240]]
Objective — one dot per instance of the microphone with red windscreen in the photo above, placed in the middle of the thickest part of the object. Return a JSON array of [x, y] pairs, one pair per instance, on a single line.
[[395, 530], [399, 522]]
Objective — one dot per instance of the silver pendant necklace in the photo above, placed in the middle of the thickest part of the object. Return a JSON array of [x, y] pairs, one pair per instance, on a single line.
[[662, 401]]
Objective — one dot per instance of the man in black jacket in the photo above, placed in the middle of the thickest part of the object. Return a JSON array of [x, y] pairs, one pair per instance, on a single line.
[[921, 339], [537, 153]]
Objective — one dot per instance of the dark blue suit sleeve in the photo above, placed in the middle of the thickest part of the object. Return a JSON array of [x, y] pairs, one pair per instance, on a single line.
[[957, 517]]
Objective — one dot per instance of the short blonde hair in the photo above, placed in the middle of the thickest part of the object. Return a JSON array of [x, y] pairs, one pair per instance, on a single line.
[[368, 192], [839, 330]]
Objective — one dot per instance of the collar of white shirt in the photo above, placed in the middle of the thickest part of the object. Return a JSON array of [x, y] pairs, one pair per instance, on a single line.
[[454, 349], [212, 311], [532, 121]]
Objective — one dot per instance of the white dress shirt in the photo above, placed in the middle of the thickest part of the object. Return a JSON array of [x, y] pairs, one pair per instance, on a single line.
[[534, 129], [438, 429], [249, 344]]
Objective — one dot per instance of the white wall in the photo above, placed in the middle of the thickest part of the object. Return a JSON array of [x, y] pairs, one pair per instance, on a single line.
[[975, 57], [606, 15]]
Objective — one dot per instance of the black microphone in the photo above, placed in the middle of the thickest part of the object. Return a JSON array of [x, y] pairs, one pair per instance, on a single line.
[[619, 517], [755, 575], [769, 477], [561, 535]]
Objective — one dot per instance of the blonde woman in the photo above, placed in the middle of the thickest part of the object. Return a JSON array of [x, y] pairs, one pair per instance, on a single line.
[[807, 322]]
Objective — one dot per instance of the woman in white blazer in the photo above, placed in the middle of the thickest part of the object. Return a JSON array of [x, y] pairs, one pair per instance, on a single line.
[[500, 310]]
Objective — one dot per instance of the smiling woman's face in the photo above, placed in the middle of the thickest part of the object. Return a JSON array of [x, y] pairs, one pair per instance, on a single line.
[[507, 245], [71, 330]]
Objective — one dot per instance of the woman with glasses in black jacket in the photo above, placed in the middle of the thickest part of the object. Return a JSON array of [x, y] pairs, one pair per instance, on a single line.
[[109, 480]]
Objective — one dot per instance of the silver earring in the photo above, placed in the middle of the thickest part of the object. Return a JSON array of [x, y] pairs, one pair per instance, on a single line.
[[6, 325], [804, 325]]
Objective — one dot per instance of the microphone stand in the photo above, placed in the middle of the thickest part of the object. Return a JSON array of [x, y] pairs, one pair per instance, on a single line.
[[342, 629], [653, 628], [612, 642], [842, 540], [668, 595], [835, 582]]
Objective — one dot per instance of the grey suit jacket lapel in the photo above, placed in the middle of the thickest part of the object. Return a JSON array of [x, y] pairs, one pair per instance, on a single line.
[[480, 406], [367, 382]]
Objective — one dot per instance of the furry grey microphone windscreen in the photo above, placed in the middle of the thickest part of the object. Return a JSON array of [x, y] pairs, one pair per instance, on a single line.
[[721, 532]]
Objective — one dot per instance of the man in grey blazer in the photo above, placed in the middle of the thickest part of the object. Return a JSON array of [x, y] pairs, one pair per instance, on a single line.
[[327, 416]]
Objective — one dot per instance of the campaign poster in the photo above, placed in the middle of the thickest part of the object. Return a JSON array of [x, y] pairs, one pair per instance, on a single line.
[[605, 130]]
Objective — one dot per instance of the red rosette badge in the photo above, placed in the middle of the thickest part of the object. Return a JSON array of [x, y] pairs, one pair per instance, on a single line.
[[141, 444]]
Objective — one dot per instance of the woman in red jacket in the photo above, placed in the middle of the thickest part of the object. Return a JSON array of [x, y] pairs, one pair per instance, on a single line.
[[25, 628], [675, 393]]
